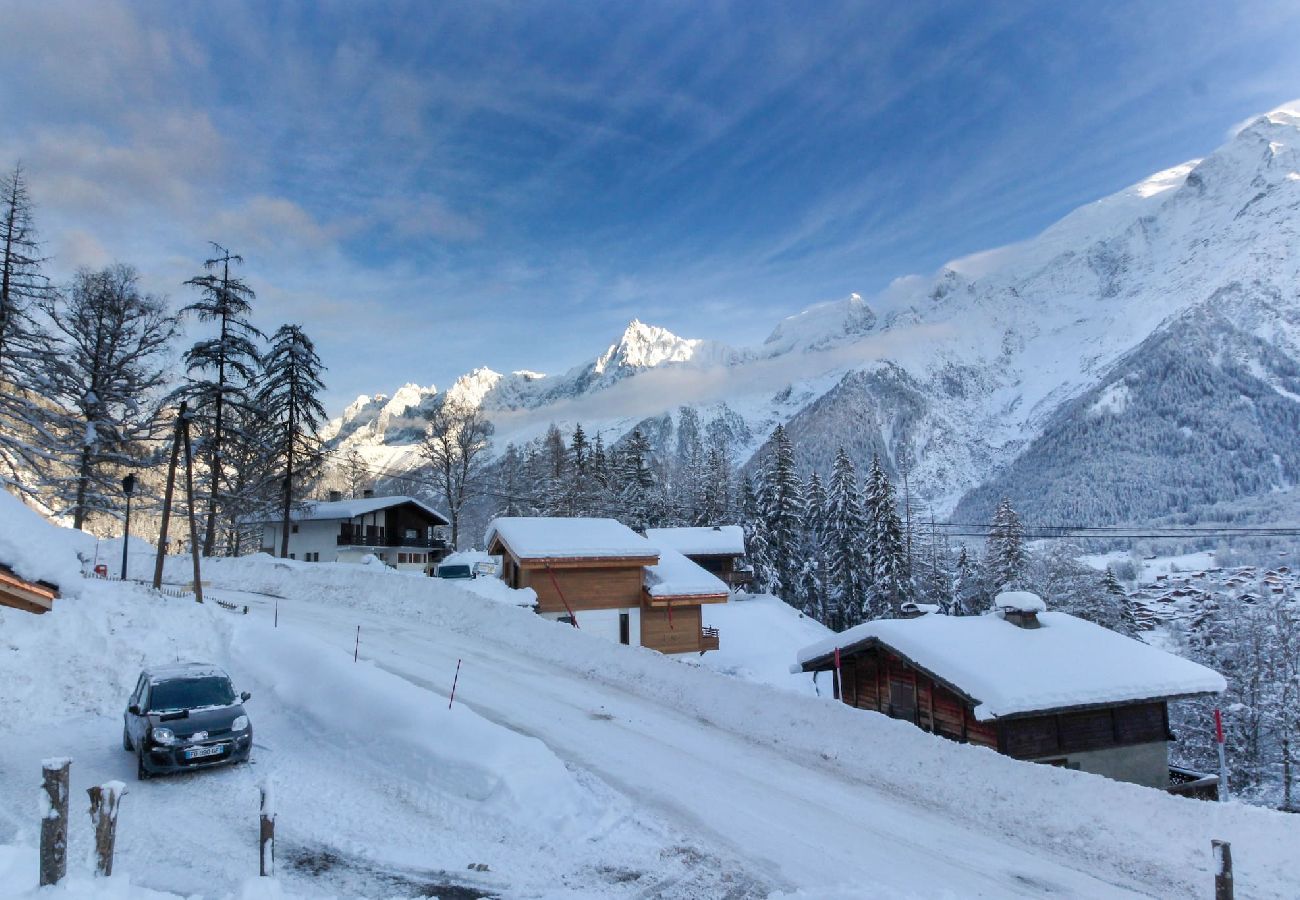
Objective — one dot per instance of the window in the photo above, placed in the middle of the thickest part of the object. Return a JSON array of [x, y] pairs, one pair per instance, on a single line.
[[902, 699], [401, 558], [624, 628], [293, 556], [293, 529]]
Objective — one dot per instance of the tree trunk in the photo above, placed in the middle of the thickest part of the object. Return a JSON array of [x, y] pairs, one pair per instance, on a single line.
[[288, 501], [54, 821], [83, 482]]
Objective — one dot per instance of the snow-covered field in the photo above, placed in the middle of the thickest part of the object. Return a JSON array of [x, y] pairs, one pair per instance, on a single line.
[[568, 766]]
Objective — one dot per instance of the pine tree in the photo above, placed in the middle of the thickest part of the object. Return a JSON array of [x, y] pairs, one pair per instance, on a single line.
[[1005, 557], [356, 472], [290, 398], [885, 550], [845, 538], [934, 581], [103, 371], [510, 483], [965, 586], [1118, 597], [781, 507], [222, 371], [757, 544], [23, 344], [636, 483]]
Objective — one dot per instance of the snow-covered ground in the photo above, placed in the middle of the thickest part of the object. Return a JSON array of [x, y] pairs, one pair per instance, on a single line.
[[569, 766]]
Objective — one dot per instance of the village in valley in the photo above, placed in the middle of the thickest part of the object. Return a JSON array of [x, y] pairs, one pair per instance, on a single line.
[[986, 584]]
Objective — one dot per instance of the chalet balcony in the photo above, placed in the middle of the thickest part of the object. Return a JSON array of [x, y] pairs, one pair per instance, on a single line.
[[1197, 785], [708, 639], [738, 578], [352, 539]]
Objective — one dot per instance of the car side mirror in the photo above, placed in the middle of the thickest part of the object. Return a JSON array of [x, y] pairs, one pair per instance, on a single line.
[[133, 709], [245, 696]]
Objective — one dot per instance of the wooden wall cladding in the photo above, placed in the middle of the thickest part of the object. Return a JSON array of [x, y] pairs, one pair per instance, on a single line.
[[584, 588], [681, 636]]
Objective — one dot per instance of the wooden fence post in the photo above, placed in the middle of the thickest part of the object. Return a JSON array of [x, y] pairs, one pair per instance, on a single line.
[[266, 831], [1222, 870], [104, 800], [54, 819]]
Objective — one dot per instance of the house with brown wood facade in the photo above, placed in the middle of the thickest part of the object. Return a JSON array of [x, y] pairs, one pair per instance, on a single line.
[[715, 548], [606, 579], [1038, 686]]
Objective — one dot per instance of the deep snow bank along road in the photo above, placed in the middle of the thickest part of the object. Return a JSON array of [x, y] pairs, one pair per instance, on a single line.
[[799, 823]]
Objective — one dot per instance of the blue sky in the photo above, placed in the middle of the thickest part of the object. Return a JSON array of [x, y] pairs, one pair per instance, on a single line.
[[431, 187]]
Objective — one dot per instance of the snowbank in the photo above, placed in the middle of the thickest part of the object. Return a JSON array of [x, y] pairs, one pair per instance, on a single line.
[[759, 636], [406, 728], [37, 550]]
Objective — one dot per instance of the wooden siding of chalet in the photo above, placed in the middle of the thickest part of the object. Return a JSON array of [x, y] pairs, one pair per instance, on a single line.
[[682, 635], [596, 588], [885, 682]]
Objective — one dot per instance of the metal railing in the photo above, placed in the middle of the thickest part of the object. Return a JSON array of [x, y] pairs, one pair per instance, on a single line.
[[373, 540]]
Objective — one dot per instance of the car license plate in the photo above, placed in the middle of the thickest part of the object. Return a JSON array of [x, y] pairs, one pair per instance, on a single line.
[[197, 752]]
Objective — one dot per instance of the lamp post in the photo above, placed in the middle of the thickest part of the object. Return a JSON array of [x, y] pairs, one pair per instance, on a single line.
[[128, 488]]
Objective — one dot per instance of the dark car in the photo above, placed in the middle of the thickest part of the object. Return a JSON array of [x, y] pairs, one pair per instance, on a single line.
[[455, 571], [185, 716]]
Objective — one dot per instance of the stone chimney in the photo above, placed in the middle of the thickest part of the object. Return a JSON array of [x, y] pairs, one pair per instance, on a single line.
[[368, 493], [336, 496], [1020, 608]]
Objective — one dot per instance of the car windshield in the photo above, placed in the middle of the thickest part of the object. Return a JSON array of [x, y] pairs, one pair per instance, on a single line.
[[191, 693], [455, 572]]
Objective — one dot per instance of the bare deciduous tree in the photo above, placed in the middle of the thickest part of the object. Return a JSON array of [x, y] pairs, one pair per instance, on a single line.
[[455, 443]]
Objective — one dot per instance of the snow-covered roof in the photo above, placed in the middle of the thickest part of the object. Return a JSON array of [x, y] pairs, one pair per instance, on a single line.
[[1020, 601], [555, 537], [718, 540], [350, 509], [676, 576], [1008, 670]]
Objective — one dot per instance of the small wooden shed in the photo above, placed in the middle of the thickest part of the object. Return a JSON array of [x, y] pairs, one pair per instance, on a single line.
[[17, 592]]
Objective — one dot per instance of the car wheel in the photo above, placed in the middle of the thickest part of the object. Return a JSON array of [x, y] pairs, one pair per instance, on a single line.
[[126, 739], [141, 773]]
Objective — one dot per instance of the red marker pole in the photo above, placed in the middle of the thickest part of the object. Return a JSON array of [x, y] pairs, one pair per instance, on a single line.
[[1223, 759], [454, 680]]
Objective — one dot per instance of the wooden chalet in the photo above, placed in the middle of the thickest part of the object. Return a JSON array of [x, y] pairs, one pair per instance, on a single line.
[[717, 549], [1035, 685], [17, 592], [606, 579]]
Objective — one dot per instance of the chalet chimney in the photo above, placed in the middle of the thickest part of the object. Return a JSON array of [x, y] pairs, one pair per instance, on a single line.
[[368, 493], [1020, 608], [336, 496], [910, 610]]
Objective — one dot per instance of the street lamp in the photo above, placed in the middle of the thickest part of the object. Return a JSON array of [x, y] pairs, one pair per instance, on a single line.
[[128, 488]]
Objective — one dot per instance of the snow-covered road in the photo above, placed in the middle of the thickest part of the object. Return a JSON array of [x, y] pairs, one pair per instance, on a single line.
[[799, 825]]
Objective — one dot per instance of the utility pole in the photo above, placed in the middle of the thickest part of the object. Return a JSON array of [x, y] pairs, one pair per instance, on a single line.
[[167, 499]]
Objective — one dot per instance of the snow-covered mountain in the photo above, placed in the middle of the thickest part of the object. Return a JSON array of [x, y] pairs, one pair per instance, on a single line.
[[1002, 362]]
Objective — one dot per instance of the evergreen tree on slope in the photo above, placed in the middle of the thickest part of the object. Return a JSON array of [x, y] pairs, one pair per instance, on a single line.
[[845, 537], [885, 551], [781, 507], [1005, 556], [290, 398], [222, 371]]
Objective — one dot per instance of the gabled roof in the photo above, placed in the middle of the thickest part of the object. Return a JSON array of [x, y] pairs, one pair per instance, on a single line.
[[1006, 670], [557, 537], [350, 509], [676, 576], [716, 540]]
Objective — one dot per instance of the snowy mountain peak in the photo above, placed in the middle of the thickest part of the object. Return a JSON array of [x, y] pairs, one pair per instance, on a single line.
[[643, 346], [821, 325], [472, 387]]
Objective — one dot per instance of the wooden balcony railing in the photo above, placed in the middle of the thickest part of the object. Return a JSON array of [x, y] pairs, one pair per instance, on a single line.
[[353, 539], [708, 639]]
